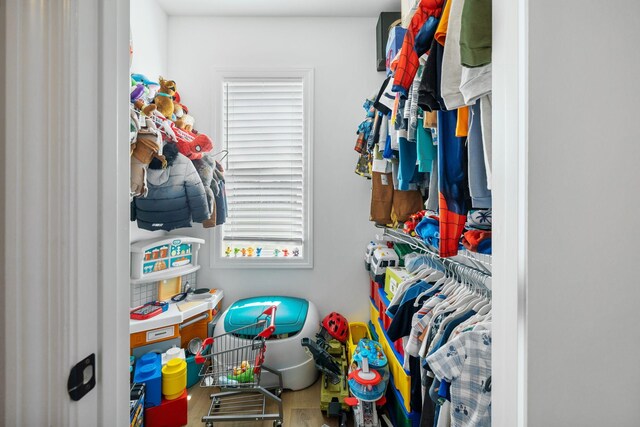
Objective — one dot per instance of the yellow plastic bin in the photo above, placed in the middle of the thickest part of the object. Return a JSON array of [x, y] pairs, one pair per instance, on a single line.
[[174, 378], [357, 331]]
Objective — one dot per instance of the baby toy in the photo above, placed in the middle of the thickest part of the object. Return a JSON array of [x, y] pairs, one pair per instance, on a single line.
[[276, 252], [258, 251], [148, 145], [285, 252], [296, 252], [164, 97], [249, 251], [244, 252], [236, 251], [228, 251]]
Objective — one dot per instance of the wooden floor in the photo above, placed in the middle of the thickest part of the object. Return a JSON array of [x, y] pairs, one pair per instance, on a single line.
[[301, 409]]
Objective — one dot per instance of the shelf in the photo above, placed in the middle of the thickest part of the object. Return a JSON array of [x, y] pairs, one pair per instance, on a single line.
[[169, 273], [173, 315]]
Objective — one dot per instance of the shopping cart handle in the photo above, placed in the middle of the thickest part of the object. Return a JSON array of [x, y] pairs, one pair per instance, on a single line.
[[269, 330], [199, 358]]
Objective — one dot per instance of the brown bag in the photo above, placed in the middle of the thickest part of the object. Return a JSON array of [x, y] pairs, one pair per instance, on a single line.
[[381, 197], [406, 203]]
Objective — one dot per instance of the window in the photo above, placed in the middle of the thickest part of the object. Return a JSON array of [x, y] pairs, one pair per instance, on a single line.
[[266, 131]]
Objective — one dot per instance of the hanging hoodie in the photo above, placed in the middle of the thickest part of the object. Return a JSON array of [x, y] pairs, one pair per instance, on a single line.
[[176, 195]]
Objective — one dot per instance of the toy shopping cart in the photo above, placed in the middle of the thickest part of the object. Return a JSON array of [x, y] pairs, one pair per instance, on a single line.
[[233, 362]]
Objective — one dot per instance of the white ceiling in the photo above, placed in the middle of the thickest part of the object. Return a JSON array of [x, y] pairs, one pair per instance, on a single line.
[[279, 7]]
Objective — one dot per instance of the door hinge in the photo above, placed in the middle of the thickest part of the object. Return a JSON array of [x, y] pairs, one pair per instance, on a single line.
[[82, 378]]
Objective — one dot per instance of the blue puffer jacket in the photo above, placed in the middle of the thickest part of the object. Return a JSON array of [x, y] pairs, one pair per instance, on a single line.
[[176, 196]]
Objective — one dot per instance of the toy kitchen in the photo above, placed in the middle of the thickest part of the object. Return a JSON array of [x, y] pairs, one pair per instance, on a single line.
[[170, 313]]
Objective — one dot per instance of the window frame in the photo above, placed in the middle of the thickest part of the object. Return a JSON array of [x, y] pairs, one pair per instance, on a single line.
[[217, 257]]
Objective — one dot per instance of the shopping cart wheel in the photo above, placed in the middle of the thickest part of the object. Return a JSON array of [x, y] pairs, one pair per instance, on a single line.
[[209, 425], [277, 423]]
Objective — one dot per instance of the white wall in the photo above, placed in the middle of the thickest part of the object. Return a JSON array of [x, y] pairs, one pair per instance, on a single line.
[[342, 53], [149, 32], [583, 273]]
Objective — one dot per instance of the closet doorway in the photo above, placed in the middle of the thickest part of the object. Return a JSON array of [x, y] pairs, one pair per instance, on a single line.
[[85, 306]]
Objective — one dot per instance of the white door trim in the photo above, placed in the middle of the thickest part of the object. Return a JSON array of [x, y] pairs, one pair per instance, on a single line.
[[65, 191], [510, 98]]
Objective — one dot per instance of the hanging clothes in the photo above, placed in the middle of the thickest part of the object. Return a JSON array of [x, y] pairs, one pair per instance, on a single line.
[[453, 183], [428, 13], [478, 187]]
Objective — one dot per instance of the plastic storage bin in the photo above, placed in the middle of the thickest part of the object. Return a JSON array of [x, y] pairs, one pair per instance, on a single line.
[[174, 378], [193, 371], [170, 413], [357, 331], [149, 373], [401, 378], [296, 318]]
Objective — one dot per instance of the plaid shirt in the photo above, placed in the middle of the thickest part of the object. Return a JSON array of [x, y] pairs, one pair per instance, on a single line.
[[465, 362], [408, 62]]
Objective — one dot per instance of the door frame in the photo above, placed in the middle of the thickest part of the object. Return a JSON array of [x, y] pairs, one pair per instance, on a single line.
[[510, 188], [65, 205]]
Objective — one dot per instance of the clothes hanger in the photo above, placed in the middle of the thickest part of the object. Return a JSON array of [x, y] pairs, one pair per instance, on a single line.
[[226, 153]]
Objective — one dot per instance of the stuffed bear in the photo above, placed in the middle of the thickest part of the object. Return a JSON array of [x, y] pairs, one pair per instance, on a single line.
[[164, 97]]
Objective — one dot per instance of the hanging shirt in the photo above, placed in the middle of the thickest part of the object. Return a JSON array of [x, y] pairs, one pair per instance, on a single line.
[[453, 183], [426, 150], [465, 362], [475, 33], [451, 66], [407, 64]]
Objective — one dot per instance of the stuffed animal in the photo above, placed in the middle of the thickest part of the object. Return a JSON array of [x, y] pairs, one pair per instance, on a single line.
[[164, 97], [185, 122]]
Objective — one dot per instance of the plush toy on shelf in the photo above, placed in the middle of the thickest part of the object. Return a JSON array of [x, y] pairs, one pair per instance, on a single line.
[[164, 97], [148, 144]]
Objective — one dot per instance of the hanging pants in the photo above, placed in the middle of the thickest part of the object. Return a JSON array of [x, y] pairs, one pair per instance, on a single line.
[[452, 182]]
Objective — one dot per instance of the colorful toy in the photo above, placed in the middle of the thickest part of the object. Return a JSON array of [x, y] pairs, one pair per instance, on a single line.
[[258, 251], [372, 246], [244, 252], [329, 353], [296, 252], [242, 373], [412, 222], [164, 97], [276, 252], [228, 251], [368, 378], [236, 251], [381, 259], [285, 252], [249, 251]]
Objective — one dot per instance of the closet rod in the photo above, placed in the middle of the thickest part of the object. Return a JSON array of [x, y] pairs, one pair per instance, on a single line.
[[474, 264]]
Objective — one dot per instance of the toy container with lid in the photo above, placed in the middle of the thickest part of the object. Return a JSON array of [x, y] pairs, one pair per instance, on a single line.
[[174, 378], [149, 372], [369, 371]]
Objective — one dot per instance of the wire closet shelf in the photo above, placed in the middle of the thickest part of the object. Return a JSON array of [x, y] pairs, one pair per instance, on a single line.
[[472, 267]]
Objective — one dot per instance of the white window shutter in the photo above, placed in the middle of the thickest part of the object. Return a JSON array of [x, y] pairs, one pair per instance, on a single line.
[[263, 131]]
